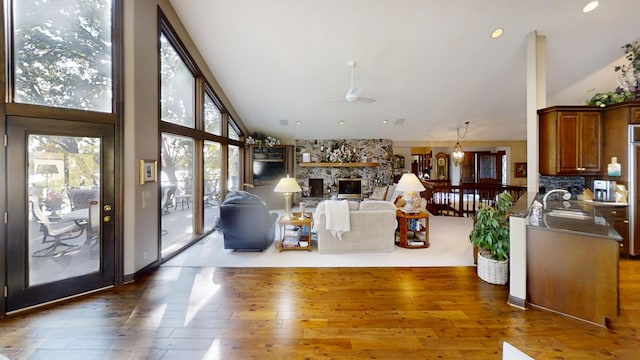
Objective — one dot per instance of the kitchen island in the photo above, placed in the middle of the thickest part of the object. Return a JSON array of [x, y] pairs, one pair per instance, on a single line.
[[572, 262]]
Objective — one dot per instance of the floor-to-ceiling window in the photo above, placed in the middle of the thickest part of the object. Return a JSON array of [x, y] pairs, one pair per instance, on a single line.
[[212, 163], [196, 132]]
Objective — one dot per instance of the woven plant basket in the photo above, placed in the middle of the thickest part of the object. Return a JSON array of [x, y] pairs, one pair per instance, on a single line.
[[493, 271]]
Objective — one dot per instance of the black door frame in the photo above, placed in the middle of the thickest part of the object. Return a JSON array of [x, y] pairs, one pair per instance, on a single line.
[[19, 295]]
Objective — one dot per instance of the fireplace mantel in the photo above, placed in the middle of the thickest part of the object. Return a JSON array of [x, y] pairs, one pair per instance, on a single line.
[[376, 169], [335, 164]]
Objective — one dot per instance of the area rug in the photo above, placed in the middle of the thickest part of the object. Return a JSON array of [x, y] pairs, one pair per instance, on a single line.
[[448, 238]]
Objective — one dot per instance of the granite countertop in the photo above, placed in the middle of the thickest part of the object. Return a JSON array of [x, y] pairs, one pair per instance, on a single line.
[[575, 217]]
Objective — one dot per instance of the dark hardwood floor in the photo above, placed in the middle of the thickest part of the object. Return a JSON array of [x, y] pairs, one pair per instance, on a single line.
[[314, 313]]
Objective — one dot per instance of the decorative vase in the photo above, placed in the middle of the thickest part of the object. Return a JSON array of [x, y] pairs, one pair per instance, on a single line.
[[492, 271]]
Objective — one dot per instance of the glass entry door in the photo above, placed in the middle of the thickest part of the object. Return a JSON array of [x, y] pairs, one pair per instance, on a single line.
[[60, 201]]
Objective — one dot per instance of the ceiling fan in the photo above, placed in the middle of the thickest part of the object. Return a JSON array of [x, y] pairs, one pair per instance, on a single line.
[[355, 94]]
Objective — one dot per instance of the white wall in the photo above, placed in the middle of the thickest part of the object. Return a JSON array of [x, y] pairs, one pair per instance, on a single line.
[[140, 120]]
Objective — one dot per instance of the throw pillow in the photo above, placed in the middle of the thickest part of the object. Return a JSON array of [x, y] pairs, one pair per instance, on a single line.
[[391, 189], [379, 193]]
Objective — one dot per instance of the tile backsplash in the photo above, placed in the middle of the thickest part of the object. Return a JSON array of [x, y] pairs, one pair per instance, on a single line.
[[575, 184]]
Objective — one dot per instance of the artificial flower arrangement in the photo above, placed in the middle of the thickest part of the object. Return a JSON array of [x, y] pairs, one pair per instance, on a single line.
[[628, 88], [261, 140], [342, 154]]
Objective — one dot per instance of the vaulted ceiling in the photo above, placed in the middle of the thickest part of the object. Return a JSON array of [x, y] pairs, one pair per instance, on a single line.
[[430, 65]]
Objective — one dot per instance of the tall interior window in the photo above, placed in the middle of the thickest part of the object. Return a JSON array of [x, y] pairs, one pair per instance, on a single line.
[[212, 158], [177, 101], [212, 116], [63, 52], [178, 87], [176, 183], [233, 181], [212, 155], [233, 133], [193, 119]]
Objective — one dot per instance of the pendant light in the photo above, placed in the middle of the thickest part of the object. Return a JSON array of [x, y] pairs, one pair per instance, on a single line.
[[458, 154]]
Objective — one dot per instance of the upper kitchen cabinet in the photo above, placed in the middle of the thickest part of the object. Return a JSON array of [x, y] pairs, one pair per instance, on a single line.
[[570, 140]]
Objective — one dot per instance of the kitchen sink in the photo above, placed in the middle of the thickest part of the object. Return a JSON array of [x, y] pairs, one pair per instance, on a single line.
[[570, 214]]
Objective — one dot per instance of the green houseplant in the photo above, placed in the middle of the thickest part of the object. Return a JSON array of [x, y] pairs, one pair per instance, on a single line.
[[628, 88], [490, 235]]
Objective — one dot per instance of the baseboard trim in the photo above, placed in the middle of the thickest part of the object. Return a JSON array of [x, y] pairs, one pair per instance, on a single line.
[[142, 272], [517, 302]]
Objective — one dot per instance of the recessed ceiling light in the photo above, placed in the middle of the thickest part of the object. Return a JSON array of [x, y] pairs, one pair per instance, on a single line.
[[298, 122], [385, 121], [590, 6], [341, 122], [497, 33]]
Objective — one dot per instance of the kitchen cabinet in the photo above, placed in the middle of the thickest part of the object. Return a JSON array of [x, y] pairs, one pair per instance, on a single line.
[[616, 121], [570, 141], [573, 273], [617, 216], [635, 115]]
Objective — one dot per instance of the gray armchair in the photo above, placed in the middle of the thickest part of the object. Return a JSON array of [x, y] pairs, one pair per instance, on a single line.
[[246, 222]]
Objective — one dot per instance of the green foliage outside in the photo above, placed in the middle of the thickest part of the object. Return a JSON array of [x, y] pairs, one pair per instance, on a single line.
[[63, 58]]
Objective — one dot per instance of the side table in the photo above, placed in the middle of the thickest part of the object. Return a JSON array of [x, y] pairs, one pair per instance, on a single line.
[[403, 228], [303, 236]]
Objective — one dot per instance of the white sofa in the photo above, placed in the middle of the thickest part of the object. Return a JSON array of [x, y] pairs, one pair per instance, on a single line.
[[373, 225]]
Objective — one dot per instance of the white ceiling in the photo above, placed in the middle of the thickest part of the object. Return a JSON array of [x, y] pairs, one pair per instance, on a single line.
[[431, 63]]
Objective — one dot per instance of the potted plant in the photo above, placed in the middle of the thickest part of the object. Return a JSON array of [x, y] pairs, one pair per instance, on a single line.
[[490, 235], [628, 80]]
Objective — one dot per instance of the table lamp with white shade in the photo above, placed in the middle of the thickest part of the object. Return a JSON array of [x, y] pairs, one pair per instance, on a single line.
[[287, 186], [411, 187]]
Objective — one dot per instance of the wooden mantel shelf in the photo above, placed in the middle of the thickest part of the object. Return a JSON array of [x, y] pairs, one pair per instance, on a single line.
[[335, 164]]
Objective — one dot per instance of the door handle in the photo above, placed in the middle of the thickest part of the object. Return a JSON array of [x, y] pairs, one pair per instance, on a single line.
[[106, 219], [107, 207]]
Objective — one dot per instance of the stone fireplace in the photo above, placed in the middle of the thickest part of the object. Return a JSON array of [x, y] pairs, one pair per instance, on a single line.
[[373, 165], [317, 187]]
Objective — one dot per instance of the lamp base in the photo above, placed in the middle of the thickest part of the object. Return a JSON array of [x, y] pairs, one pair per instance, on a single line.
[[412, 202], [287, 216]]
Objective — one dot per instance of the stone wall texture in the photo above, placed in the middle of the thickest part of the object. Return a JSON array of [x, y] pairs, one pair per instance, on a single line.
[[369, 150]]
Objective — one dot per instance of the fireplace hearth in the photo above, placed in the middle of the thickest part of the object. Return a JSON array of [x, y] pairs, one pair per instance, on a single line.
[[317, 187]]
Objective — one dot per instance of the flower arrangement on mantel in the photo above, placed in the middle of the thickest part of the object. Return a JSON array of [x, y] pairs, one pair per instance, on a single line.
[[261, 140], [344, 153], [628, 80]]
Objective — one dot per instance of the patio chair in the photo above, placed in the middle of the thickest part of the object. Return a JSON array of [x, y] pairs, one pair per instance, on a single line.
[[55, 232], [168, 193]]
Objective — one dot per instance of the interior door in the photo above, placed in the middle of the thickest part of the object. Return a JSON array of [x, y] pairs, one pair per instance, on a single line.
[[489, 168], [60, 197], [467, 168]]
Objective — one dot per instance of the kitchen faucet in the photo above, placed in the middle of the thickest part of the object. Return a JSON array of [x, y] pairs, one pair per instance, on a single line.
[[564, 196]]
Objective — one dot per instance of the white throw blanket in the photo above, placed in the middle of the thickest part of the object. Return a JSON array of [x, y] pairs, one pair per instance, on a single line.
[[337, 217]]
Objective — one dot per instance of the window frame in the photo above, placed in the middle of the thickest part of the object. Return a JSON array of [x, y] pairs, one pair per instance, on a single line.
[[198, 132]]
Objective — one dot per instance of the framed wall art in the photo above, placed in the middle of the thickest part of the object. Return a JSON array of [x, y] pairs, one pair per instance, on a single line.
[[148, 171], [520, 169]]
